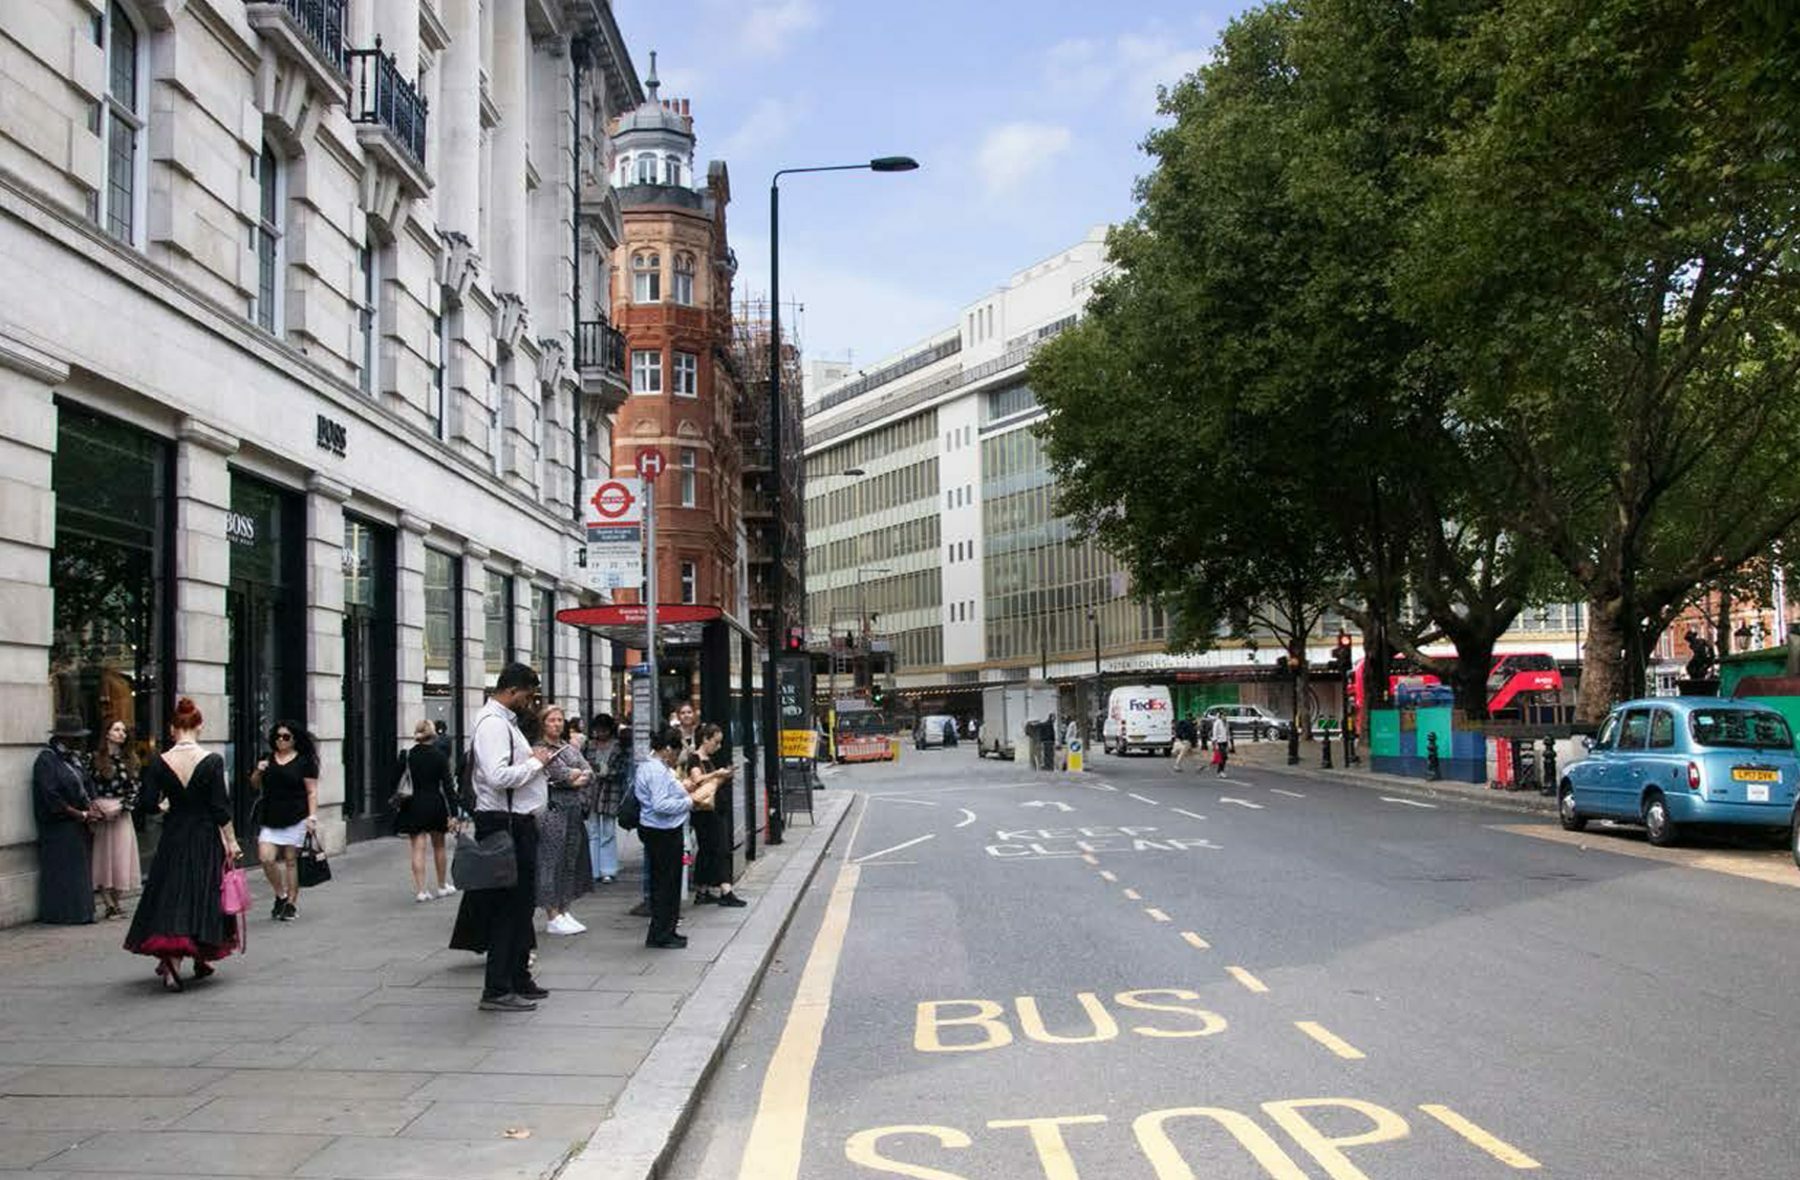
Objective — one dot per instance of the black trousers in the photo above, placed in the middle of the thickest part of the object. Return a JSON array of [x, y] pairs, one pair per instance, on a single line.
[[510, 934], [662, 849]]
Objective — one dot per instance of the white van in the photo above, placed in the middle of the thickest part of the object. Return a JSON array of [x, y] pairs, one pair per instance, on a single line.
[[1139, 717]]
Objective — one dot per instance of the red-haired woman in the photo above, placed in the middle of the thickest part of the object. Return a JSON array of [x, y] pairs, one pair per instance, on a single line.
[[181, 915]]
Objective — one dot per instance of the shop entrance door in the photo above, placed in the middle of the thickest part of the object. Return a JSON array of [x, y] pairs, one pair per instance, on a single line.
[[257, 692], [371, 729]]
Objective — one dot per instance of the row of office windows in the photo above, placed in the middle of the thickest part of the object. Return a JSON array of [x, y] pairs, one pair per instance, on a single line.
[[876, 444], [647, 372], [912, 536], [874, 493]]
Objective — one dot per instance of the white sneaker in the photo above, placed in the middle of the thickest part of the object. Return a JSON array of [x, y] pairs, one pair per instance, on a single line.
[[560, 925], [446, 891], [575, 925], [423, 896]]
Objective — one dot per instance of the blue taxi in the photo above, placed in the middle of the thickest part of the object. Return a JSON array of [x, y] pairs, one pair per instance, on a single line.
[[1670, 762]]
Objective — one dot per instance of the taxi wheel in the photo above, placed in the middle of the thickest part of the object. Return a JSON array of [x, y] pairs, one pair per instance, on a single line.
[[1661, 829], [1572, 820], [1794, 838]]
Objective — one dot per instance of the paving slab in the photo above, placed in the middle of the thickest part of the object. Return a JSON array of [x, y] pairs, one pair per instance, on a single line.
[[310, 1116], [111, 1081], [492, 1120], [23, 1149], [442, 1159], [192, 1153], [64, 1114]]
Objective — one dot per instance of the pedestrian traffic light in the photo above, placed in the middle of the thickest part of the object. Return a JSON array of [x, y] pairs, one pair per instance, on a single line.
[[796, 639], [877, 695], [1340, 655]]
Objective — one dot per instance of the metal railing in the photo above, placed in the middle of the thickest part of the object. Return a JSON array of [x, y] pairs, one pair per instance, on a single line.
[[381, 95], [599, 345], [323, 23]]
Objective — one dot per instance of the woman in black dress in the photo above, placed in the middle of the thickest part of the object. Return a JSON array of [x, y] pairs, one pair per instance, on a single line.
[[64, 805], [289, 781], [712, 852], [424, 814], [181, 914]]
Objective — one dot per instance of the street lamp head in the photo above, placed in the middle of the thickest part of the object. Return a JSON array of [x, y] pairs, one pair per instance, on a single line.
[[853, 472], [893, 164]]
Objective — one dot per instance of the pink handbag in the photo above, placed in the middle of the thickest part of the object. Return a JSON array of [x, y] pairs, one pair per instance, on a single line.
[[234, 891]]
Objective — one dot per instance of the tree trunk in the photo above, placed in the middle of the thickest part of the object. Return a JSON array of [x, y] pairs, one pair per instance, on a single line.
[[1474, 658], [1604, 676]]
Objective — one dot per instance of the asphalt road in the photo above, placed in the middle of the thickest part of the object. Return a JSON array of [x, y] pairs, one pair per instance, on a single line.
[[1132, 974]]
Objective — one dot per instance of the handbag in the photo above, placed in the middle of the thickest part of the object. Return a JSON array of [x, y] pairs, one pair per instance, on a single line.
[[704, 799], [234, 890], [404, 792], [631, 810], [488, 862], [312, 867]]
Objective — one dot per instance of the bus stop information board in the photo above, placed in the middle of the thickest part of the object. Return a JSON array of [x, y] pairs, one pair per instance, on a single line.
[[793, 698]]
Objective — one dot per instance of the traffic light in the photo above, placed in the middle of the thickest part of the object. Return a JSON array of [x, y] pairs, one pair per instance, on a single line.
[[796, 639], [877, 695], [1340, 655]]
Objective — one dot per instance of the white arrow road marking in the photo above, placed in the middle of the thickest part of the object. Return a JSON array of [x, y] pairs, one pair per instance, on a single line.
[[897, 847], [1100, 786], [1056, 803], [1408, 802], [967, 819], [1241, 802], [1184, 811], [1289, 794], [1144, 799]]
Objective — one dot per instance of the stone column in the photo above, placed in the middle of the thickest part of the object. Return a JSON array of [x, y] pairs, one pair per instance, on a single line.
[[409, 623], [28, 374], [202, 572], [474, 625], [568, 647], [325, 646], [511, 228], [459, 129]]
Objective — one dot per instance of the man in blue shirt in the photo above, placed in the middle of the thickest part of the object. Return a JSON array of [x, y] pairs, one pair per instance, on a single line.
[[665, 806]]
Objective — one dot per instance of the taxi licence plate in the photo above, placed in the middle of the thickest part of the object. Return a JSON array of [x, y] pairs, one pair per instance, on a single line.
[[1744, 774]]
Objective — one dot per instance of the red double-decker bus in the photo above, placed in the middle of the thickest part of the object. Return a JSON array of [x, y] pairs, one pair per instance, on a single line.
[[1513, 675]]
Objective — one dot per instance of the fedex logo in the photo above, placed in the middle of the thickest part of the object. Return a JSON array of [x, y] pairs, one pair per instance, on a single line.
[[1150, 704]]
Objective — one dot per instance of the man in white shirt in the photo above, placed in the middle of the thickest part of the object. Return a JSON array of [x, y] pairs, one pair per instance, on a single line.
[[510, 790]]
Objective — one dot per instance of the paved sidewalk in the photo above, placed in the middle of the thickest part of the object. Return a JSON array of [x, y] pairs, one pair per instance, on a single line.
[[347, 1044], [1272, 755]]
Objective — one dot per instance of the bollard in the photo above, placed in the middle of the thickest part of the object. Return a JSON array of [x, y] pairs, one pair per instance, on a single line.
[[1325, 751], [1434, 770], [1547, 779]]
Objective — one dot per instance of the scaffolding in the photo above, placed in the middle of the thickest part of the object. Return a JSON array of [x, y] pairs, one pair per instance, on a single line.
[[751, 341]]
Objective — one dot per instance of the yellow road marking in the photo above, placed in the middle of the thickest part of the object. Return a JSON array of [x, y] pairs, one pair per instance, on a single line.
[[1501, 1150], [776, 1134], [1195, 941], [1156, 914], [1248, 980], [1133, 895], [1772, 868], [1329, 1039], [1107, 876]]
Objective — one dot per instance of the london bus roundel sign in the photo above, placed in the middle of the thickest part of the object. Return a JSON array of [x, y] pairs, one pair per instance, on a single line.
[[613, 500]]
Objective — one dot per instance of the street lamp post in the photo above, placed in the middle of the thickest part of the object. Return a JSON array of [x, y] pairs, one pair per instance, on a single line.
[[777, 568], [1094, 701]]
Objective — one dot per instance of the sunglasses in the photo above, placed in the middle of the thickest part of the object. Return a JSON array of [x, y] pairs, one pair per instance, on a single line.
[[284, 737]]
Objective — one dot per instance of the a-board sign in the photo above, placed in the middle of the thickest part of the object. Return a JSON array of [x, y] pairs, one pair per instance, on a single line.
[[794, 703]]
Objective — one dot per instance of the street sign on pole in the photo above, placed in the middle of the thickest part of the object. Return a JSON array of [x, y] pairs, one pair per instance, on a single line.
[[613, 511], [649, 463]]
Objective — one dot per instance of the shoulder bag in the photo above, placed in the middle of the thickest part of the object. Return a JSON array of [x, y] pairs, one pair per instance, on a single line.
[[487, 862], [312, 868]]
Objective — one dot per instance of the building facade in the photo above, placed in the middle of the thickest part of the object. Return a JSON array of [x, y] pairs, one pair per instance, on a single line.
[[306, 351]]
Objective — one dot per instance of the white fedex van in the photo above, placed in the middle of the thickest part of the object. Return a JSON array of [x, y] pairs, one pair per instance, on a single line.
[[1139, 717]]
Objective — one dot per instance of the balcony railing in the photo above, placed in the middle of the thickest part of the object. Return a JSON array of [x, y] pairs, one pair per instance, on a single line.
[[599, 345], [381, 95], [322, 23]]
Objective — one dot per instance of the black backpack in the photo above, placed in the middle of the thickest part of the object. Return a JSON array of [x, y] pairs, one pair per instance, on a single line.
[[630, 811]]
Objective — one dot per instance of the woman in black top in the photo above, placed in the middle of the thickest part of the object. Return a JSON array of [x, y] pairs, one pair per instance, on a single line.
[[424, 815], [60, 796], [289, 781], [115, 862], [181, 914], [712, 851]]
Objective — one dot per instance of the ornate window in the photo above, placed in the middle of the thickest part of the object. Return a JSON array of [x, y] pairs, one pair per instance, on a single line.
[[690, 582], [266, 307], [672, 170], [687, 374], [646, 371], [646, 169], [690, 477], [684, 279], [646, 277], [120, 123]]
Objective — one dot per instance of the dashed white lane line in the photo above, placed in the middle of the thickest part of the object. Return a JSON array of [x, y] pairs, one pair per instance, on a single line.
[[1195, 941], [1156, 914], [1133, 895], [1241, 802], [967, 819], [1330, 1040], [1145, 799], [1408, 802], [1250, 982], [1107, 875], [1186, 812], [1289, 794], [898, 847], [897, 799]]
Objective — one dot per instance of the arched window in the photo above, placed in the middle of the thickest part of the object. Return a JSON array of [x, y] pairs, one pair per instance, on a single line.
[[646, 169], [672, 170], [646, 277], [265, 308], [684, 279], [121, 127]]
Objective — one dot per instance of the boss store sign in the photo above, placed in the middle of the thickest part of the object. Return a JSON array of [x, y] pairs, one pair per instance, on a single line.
[[332, 436]]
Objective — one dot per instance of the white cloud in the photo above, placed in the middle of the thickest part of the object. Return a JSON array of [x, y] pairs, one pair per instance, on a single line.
[[1011, 152], [769, 123], [1127, 69], [769, 26]]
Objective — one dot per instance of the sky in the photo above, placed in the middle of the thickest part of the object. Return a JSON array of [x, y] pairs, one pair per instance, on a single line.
[[1026, 118]]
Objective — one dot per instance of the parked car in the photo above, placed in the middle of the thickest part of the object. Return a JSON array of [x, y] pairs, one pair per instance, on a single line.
[[1248, 721], [1672, 762], [934, 730]]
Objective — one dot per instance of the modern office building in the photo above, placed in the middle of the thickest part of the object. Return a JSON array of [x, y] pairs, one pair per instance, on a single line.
[[300, 368]]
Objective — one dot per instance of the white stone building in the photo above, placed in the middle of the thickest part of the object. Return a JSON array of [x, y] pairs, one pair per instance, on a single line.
[[304, 347]]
